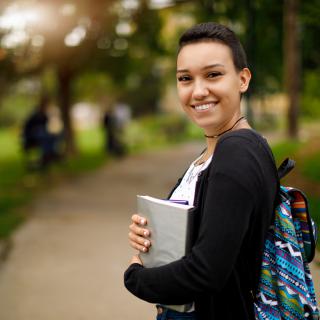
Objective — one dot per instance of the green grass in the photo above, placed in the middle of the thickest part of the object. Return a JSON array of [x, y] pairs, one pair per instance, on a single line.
[[285, 149], [151, 132], [311, 167], [11, 181], [91, 152], [18, 186]]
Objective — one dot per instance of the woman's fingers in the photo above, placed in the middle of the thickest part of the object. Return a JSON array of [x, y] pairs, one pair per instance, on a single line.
[[141, 241], [138, 247], [138, 224], [136, 229], [139, 220], [138, 234]]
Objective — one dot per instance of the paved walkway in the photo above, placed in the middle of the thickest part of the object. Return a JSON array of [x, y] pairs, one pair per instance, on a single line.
[[68, 260]]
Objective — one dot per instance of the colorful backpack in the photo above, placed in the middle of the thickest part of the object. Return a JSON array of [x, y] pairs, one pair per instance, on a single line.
[[285, 289]]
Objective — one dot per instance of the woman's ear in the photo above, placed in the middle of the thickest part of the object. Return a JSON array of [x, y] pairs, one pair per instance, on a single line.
[[245, 76]]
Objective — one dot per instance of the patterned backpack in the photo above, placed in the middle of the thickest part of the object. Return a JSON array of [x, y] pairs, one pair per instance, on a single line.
[[285, 289]]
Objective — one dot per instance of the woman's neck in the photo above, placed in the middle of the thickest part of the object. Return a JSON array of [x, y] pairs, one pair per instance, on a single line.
[[208, 152], [212, 142]]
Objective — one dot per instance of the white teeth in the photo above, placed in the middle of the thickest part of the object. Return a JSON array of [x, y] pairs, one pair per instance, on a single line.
[[204, 106]]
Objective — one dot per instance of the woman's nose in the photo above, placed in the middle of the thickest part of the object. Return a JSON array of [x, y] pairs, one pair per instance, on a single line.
[[200, 90]]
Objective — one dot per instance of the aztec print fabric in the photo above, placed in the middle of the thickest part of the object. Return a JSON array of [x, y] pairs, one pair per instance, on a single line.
[[285, 288]]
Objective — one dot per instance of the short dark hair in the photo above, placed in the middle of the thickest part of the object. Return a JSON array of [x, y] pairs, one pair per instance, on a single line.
[[211, 31]]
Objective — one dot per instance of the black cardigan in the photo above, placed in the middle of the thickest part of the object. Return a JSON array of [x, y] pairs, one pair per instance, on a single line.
[[235, 199]]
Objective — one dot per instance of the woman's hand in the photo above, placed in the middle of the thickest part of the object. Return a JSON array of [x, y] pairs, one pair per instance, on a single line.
[[138, 235]]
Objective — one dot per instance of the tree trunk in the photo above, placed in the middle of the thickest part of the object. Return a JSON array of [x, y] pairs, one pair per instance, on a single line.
[[64, 99], [292, 70], [250, 49]]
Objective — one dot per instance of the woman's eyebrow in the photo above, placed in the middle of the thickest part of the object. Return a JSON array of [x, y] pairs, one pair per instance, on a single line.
[[213, 66], [182, 70], [204, 68]]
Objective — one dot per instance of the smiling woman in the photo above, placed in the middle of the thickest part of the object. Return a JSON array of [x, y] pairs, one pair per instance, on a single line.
[[232, 186], [210, 86]]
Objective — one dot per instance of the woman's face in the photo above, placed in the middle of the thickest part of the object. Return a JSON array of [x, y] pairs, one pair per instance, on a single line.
[[209, 86]]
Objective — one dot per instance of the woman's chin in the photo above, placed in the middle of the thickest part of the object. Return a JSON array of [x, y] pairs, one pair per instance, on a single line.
[[206, 126]]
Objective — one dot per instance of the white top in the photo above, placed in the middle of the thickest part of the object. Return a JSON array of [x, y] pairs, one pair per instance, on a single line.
[[187, 187]]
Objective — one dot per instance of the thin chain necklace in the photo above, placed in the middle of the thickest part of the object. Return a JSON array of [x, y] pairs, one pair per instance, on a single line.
[[195, 170], [220, 134]]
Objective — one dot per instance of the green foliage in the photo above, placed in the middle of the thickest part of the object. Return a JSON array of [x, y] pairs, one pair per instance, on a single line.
[[311, 167], [91, 152], [15, 107], [141, 82], [92, 86], [107, 62], [18, 186], [156, 131], [11, 181], [9, 143], [285, 149], [9, 222], [49, 81], [267, 53], [311, 94], [310, 29]]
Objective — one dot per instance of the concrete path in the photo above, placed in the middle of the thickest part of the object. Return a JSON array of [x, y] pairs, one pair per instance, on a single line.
[[68, 260]]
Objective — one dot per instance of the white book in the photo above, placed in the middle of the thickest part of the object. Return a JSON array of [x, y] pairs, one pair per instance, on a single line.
[[170, 225]]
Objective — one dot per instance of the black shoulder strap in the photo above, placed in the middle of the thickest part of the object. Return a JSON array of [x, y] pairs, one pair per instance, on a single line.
[[285, 167]]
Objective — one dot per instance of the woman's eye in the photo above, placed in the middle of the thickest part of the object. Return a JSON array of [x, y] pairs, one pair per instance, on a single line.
[[184, 78], [214, 74]]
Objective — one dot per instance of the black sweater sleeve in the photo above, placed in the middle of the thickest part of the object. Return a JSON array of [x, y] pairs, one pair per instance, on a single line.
[[228, 205]]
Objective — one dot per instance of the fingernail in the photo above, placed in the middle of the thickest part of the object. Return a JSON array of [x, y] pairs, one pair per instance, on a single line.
[[145, 233], [142, 221], [146, 243], [144, 249]]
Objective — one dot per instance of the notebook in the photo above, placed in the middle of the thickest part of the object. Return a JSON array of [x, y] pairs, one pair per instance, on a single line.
[[170, 224]]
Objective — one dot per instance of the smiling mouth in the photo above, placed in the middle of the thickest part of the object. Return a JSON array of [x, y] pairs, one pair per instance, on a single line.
[[204, 107]]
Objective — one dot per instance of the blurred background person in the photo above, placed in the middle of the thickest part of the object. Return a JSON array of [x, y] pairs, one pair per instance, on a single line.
[[36, 135], [115, 121]]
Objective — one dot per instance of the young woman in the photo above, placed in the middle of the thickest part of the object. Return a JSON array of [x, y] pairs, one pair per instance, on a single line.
[[233, 186]]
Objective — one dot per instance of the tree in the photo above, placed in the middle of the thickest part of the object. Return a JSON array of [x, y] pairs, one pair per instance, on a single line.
[[310, 51], [62, 35], [72, 45], [292, 64], [93, 35]]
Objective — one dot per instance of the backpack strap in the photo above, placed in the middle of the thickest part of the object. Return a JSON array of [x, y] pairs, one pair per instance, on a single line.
[[285, 167]]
